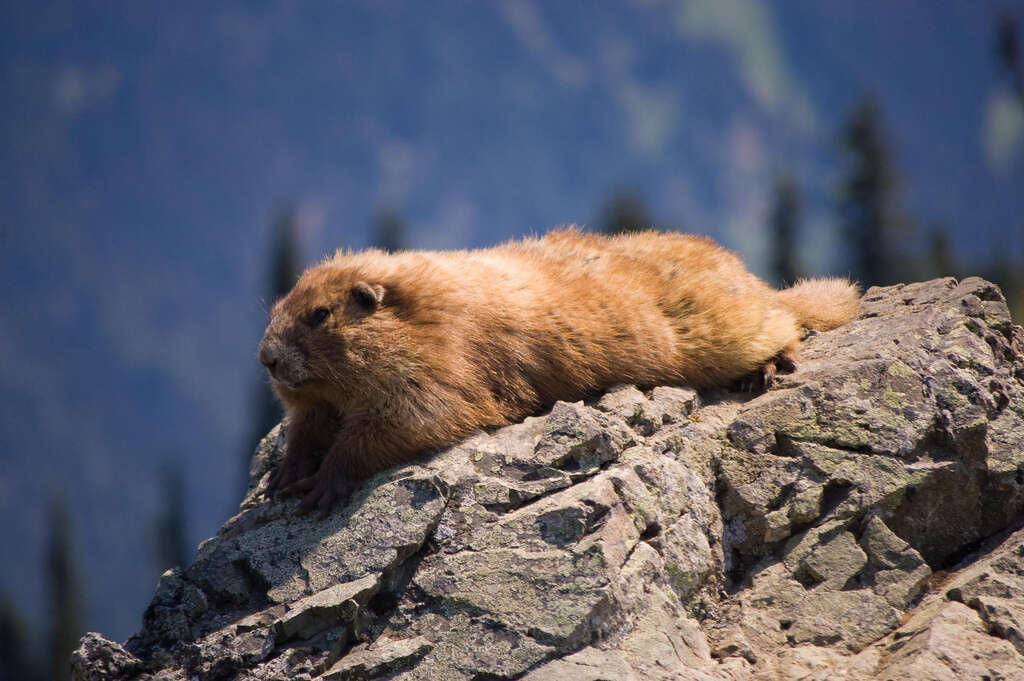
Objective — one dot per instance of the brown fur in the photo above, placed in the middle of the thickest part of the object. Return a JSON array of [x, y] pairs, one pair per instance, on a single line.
[[419, 349]]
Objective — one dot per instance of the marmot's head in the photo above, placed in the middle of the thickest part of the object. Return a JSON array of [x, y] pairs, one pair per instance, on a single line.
[[325, 333]]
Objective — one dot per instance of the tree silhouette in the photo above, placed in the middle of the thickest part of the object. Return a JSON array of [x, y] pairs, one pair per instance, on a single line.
[[65, 605], [389, 230], [282, 272], [285, 264], [1004, 270], [171, 543], [940, 259], [624, 212], [16, 662], [1008, 50], [873, 228], [784, 226]]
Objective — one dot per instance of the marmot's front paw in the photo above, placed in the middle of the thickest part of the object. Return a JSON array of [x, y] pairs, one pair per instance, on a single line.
[[321, 492], [289, 471]]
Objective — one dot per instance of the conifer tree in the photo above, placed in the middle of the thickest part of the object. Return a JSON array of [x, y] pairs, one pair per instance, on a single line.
[[1008, 51], [624, 212], [873, 229], [389, 231], [784, 227], [16, 661], [171, 541], [65, 601], [283, 271], [284, 267], [1009, 276], [1006, 270], [940, 259]]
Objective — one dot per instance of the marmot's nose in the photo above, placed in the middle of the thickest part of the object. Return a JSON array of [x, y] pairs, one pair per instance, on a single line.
[[268, 355]]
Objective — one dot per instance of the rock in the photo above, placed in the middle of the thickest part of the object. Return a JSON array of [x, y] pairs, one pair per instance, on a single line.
[[993, 588], [832, 562], [382, 658], [858, 520], [666, 405], [588, 664], [965, 630], [339, 605], [898, 573], [97, 659]]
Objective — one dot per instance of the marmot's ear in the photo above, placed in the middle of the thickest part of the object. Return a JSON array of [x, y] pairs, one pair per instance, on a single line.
[[368, 296]]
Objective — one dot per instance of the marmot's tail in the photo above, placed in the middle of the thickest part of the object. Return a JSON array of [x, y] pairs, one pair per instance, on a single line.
[[822, 304]]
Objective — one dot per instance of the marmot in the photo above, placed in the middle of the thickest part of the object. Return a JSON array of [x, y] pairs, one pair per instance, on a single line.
[[377, 357]]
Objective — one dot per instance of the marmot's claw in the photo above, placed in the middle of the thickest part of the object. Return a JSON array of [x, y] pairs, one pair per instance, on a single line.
[[764, 378], [279, 481], [318, 500], [314, 499], [780, 364], [785, 364], [284, 490], [323, 495], [326, 503], [273, 484], [286, 480], [299, 488]]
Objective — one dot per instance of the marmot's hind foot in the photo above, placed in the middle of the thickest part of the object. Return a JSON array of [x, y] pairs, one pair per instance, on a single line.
[[782, 363], [764, 378]]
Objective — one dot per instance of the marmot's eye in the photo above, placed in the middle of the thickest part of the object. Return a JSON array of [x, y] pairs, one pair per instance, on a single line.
[[318, 316]]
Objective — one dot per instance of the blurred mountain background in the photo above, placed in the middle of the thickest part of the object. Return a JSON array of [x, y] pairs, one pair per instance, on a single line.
[[168, 169]]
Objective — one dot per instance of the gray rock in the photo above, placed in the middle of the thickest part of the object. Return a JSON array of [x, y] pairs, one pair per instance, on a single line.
[[338, 605], [897, 571], [382, 658], [819, 530], [832, 562], [98, 659], [647, 415]]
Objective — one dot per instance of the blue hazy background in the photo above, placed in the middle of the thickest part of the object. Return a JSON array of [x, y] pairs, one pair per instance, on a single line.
[[146, 148]]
